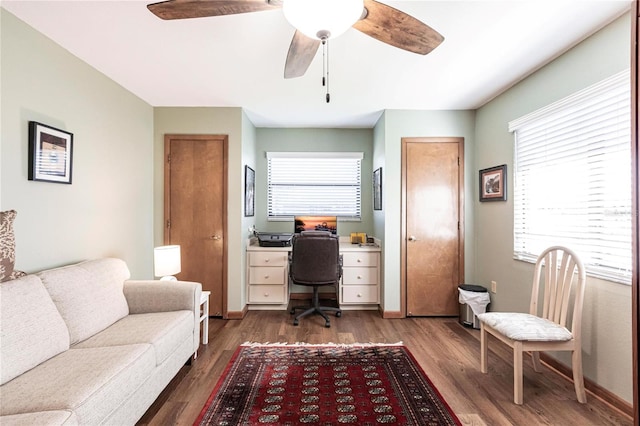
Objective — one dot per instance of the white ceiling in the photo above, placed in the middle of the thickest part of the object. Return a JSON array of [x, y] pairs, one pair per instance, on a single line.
[[238, 60]]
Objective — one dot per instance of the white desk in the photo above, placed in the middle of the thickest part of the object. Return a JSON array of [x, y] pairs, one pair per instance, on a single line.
[[268, 276]]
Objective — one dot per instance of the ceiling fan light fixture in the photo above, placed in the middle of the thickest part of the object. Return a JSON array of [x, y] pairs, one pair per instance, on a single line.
[[320, 19]]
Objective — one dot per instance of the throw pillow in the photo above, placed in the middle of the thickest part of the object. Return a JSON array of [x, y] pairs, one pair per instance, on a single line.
[[7, 244]]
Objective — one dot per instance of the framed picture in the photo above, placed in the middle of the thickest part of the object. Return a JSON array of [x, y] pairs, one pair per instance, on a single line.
[[50, 153], [377, 189], [493, 183], [249, 191]]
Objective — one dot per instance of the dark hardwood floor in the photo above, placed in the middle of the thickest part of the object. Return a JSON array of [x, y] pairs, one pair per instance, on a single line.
[[448, 353]]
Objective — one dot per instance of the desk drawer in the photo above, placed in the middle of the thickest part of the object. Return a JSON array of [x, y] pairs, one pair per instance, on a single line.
[[359, 276], [360, 294], [351, 258], [267, 294], [266, 258], [267, 275]]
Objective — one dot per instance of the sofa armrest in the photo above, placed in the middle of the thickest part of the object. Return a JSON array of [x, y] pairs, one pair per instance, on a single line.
[[144, 296]]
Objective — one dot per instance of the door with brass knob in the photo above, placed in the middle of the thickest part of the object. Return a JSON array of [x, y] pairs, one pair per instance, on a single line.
[[432, 252], [195, 200]]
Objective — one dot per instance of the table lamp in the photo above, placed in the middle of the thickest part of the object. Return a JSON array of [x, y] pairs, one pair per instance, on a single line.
[[166, 262]]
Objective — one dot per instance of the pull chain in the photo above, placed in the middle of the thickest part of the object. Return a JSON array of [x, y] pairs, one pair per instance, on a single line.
[[325, 66], [328, 96]]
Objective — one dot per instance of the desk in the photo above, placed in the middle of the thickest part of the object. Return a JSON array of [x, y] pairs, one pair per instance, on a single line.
[[268, 276]]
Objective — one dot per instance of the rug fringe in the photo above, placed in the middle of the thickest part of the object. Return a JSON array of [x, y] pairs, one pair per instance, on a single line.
[[354, 345]]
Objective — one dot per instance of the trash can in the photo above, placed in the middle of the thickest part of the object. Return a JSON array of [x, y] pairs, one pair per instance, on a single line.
[[473, 300]]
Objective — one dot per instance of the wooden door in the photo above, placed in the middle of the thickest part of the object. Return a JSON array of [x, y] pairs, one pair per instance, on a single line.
[[195, 211], [432, 226]]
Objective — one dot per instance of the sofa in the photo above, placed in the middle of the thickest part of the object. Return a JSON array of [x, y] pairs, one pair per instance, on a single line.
[[83, 344]]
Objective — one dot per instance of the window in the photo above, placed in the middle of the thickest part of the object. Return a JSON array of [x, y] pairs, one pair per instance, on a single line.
[[314, 183], [573, 179]]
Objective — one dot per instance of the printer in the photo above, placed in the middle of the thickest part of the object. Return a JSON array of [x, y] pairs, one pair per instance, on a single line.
[[270, 239]]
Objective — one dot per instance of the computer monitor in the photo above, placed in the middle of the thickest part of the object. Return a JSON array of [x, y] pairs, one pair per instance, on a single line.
[[315, 223]]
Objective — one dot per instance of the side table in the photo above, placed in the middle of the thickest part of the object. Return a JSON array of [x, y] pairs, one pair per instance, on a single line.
[[204, 316]]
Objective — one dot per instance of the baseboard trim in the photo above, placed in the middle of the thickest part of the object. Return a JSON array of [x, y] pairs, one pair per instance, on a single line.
[[597, 390], [391, 314], [237, 315]]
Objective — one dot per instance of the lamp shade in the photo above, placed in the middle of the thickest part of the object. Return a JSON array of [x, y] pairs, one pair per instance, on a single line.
[[166, 260], [322, 18]]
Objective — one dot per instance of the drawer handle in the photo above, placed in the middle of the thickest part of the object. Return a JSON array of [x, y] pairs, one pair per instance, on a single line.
[[359, 294], [359, 260], [266, 295], [266, 277], [266, 260], [359, 277]]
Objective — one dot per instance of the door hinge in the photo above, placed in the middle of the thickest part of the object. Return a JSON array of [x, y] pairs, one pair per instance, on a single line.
[[168, 158], [458, 225], [168, 224], [458, 161]]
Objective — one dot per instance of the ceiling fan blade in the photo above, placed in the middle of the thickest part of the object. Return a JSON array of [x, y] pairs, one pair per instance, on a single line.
[[183, 9], [398, 29], [301, 52]]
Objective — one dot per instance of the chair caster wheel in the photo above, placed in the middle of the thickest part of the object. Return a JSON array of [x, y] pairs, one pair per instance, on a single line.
[[338, 314], [292, 311], [327, 324], [295, 322]]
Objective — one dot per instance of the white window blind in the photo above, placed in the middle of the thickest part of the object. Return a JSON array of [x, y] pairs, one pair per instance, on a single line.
[[314, 183], [573, 179]]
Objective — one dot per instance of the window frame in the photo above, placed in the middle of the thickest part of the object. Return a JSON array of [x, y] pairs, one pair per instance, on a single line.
[[611, 139], [308, 156]]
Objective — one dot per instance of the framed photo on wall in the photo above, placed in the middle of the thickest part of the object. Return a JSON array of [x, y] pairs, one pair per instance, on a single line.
[[493, 183], [249, 191], [50, 153], [377, 189]]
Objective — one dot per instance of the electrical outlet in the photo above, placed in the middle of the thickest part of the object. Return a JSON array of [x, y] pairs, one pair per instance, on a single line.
[[494, 287]]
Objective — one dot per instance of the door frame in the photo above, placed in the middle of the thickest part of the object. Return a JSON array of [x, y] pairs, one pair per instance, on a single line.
[[403, 210], [167, 200]]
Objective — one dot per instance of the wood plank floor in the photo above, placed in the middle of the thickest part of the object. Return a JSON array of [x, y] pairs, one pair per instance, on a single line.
[[448, 353]]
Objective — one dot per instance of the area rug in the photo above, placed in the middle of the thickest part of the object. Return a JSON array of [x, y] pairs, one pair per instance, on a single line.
[[325, 385]]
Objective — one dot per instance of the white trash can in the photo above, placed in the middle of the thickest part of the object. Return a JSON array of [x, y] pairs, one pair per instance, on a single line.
[[473, 300]]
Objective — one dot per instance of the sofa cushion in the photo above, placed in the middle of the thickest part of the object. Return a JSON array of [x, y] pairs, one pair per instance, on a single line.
[[165, 331], [91, 382], [7, 244], [58, 417], [88, 295], [31, 328]]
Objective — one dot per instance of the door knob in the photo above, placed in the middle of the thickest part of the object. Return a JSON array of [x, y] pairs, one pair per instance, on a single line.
[[214, 237], [412, 238]]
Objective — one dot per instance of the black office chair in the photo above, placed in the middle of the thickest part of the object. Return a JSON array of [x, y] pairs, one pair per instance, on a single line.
[[316, 262]]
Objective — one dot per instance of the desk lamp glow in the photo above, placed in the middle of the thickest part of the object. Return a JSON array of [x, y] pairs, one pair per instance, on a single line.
[[166, 261]]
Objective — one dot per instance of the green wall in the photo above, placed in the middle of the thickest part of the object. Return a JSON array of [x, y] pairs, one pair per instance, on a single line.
[[607, 311], [390, 129], [108, 208], [313, 140], [218, 121]]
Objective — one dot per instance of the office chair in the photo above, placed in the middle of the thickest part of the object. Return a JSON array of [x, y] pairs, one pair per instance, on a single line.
[[559, 270], [316, 262]]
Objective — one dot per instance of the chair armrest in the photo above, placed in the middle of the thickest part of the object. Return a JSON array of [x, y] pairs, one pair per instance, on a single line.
[[162, 296]]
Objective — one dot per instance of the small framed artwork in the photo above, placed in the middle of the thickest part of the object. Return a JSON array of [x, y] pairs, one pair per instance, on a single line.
[[377, 189], [50, 153], [249, 191], [493, 183]]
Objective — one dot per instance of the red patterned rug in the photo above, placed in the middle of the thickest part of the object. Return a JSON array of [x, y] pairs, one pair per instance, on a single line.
[[325, 385]]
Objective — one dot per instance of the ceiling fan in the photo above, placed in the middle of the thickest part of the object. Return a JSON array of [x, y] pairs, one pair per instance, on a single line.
[[371, 17]]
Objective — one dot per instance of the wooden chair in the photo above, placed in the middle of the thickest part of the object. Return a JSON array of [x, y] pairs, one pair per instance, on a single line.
[[543, 329]]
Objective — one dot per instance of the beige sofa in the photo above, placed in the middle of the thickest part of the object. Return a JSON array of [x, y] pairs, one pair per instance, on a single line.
[[83, 344]]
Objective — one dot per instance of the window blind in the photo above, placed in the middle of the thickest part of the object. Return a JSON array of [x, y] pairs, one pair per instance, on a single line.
[[572, 182], [314, 183]]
